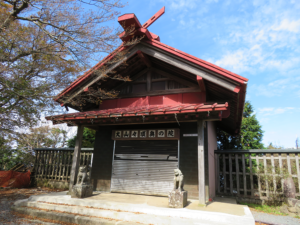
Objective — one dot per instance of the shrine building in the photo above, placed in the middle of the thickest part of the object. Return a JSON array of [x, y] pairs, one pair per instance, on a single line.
[[164, 118]]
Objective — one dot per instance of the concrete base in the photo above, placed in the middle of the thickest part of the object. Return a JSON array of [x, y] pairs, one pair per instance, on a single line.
[[178, 199], [82, 191], [134, 209]]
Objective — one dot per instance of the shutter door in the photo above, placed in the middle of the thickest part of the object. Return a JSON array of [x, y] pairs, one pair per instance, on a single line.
[[144, 167]]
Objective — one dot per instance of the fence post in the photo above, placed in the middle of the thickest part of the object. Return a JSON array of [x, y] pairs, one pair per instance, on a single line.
[[258, 175], [281, 172], [217, 163], [298, 172], [244, 175], [36, 163], [237, 170], [53, 165], [273, 173], [43, 164], [289, 163], [251, 176], [224, 173], [265, 172]]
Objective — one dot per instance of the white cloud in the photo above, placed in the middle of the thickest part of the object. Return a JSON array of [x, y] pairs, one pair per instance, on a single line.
[[288, 25], [278, 87], [241, 60], [261, 38], [283, 65], [261, 110], [271, 111], [180, 4], [267, 39], [189, 4]]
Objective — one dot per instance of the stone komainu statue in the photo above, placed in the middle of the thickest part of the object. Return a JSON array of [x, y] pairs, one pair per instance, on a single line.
[[83, 175], [178, 180]]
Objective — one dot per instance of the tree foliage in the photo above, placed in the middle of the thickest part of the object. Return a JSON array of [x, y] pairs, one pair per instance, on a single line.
[[88, 139], [42, 137], [44, 45], [250, 136], [8, 156], [22, 152], [273, 146]]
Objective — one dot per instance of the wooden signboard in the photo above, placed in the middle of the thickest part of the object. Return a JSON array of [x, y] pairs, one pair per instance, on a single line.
[[146, 134]]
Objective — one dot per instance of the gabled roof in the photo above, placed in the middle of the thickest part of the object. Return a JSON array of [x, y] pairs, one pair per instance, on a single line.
[[221, 84]]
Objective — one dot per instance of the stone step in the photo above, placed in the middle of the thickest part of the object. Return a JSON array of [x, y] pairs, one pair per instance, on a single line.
[[125, 216], [137, 213], [68, 218]]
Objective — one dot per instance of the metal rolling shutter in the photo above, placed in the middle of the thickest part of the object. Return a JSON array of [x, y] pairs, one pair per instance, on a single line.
[[144, 167]]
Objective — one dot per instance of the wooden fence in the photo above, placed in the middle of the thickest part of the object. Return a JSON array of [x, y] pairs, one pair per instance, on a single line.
[[55, 163], [256, 174]]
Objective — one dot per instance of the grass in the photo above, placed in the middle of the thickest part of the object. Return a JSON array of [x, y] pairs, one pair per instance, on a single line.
[[275, 210]]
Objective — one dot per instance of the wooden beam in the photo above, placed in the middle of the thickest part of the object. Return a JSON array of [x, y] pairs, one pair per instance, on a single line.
[[178, 79], [177, 62], [154, 18], [160, 92], [144, 58], [150, 120], [76, 157], [132, 78], [149, 80], [175, 70], [201, 83], [131, 66], [97, 78], [201, 163]]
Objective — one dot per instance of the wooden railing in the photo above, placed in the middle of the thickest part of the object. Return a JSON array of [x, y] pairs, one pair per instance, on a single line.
[[55, 163], [256, 173]]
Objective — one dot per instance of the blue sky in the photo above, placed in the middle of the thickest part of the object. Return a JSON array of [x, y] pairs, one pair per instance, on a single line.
[[257, 39]]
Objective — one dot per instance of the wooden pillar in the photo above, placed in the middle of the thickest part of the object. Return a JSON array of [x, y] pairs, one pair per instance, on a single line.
[[76, 157], [201, 162]]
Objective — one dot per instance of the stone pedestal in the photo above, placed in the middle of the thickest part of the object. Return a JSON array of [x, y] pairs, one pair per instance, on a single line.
[[289, 188], [178, 199], [82, 191]]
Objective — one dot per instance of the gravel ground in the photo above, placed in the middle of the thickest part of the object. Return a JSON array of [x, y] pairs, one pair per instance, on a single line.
[[274, 219], [9, 196]]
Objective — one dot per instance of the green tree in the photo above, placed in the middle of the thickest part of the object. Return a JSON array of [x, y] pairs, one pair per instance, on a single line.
[[88, 139], [250, 136], [8, 156]]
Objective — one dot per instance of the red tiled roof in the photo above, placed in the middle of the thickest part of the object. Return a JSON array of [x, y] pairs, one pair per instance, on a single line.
[[141, 111]]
